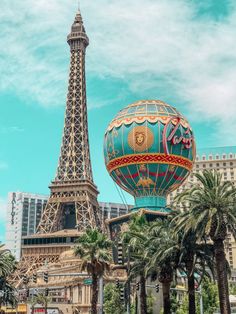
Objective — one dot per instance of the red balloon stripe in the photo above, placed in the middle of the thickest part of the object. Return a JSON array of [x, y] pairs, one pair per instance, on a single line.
[[149, 159], [153, 174]]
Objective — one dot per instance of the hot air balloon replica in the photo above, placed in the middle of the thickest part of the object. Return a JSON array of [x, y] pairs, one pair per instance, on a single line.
[[149, 151]]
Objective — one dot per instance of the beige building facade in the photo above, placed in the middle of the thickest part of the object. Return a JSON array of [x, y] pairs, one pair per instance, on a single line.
[[70, 288], [222, 159]]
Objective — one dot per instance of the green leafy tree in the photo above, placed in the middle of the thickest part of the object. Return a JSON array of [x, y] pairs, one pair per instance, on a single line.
[[94, 249], [150, 303], [210, 296], [112, 303], [232, 288], [212, 213], [173, 301], [183, 308]]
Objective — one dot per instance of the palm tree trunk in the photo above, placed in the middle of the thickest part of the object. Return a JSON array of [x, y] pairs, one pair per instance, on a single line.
[[222, 279], [166, 296], [143, 295], [136, 303], [191, 287], [94, 294]]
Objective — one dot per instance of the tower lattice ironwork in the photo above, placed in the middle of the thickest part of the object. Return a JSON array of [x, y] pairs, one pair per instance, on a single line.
[[73, 200]]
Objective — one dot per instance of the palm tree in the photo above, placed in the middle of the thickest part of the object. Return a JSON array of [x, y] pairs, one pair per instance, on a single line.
[[194, 258], [94, 249], [212, 213], [136, 240], [7, 266], [172, 251], [163, 253], [40, 299], [33, 302], [9, 295], [7, 262]]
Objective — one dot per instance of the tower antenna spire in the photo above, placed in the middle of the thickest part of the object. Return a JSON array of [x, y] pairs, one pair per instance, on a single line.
[[78, 5]]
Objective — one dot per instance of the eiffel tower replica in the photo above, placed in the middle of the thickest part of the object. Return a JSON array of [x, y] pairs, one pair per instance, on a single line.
[[72, 206], [73, 199]]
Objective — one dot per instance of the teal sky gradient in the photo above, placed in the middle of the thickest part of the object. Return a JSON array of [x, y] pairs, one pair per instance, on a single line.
[[182, 52]]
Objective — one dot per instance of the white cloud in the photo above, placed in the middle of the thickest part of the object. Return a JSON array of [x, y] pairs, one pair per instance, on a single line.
[[32, 36], [164, 40], [159, 47]]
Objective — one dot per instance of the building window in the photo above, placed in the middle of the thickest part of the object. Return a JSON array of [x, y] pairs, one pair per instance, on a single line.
[[217, 156], [230, 155], [105, 214], [224, 164], [203, 157], [114, 212], [210, 157], [122, 212], [210, 165], [224, 156], [204, 165]]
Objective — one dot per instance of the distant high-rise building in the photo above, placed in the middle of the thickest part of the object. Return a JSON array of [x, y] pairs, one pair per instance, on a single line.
[[222, 159], [24, 211], [113, 210]]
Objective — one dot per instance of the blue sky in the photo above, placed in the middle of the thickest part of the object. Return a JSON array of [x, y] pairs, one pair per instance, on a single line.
[[180, 51]]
